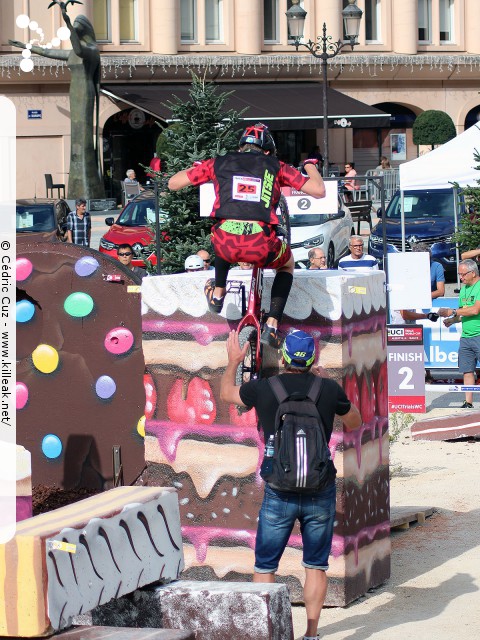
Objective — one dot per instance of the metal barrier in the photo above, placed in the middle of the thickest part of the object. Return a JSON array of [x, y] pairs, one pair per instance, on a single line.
[[391, 183]]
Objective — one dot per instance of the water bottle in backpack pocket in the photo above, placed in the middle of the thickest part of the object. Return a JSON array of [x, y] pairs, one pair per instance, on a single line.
[[301, 459]]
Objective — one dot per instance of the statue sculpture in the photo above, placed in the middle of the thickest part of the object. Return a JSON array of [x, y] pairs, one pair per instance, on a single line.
[[83, 60]]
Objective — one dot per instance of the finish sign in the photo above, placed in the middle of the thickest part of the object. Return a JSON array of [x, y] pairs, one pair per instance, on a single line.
[[406, 369]]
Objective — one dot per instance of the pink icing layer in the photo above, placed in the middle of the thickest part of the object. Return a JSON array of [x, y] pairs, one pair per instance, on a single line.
[[202, 537], [169, 435], [205, 332]]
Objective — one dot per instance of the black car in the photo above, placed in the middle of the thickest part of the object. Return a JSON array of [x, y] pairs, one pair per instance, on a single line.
[[42, 216]]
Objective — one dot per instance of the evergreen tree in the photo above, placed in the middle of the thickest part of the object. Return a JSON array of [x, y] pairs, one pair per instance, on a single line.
[[433, 127], [468, 234], [202, 129]]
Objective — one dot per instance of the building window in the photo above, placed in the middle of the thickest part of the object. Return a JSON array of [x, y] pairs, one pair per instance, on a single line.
[[188, 20], [446, 21], [101, 20], [372, 21], [214, 20], [128, 21], [425, 21], [270, 21]]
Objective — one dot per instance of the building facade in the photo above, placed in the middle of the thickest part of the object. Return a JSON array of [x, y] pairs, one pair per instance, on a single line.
[[413, 55]]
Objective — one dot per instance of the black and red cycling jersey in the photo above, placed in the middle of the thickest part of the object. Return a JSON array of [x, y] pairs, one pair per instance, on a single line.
[[247, 184]]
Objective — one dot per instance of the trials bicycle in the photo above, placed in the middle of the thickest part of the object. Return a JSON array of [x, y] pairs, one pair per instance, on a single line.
[[253, 316]]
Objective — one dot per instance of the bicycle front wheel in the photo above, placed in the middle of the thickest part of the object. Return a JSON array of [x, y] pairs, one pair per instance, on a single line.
[[247, 369], [283, 228]]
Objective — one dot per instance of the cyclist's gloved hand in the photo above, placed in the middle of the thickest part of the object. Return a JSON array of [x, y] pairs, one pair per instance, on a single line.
[[432, 316], [313, 161]]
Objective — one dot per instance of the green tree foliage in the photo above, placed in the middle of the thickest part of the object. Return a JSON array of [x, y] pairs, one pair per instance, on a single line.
[[468, 234], [433, 127], [202, 129]]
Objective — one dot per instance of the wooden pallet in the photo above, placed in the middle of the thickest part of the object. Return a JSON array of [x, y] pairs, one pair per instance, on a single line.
[[402, 517]]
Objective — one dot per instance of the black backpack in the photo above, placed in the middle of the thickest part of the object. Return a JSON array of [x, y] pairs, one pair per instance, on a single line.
[[301, 461]]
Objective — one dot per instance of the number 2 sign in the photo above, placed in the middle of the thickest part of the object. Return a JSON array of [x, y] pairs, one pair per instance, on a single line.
[[406, 369]]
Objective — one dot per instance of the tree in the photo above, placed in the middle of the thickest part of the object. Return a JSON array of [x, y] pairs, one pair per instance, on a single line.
[[468, 234], [202, 129], [433, 127]]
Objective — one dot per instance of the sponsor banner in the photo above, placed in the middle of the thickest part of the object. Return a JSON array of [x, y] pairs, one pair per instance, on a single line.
[[407, 404], [404, 334], [440, 342]]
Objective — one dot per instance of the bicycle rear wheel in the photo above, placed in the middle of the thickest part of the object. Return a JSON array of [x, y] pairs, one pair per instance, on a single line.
[[283, 228], [247, 369]]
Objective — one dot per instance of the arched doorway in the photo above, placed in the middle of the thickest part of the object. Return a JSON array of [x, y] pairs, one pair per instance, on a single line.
[[399, 133], [472, 117], [129, 140]]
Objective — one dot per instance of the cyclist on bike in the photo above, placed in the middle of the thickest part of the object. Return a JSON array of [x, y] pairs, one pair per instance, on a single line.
[[247, 191]]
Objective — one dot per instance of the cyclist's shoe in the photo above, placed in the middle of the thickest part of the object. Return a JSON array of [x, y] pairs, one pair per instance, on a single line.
[[214, 304], [270, 337]]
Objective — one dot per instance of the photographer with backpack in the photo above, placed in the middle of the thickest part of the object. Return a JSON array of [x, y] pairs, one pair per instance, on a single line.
[[296, 410]]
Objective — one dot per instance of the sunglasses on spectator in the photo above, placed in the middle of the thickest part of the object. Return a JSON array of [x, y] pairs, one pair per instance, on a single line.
[[207, 261], [128, 253]]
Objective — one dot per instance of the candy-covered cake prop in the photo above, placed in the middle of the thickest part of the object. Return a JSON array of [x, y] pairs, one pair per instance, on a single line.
[[80, 364], [211, 454]]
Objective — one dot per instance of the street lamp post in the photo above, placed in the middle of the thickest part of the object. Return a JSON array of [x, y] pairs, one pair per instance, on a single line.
[[324, 49]]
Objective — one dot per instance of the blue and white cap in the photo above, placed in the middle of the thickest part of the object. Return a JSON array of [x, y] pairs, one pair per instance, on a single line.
[[298, 349]]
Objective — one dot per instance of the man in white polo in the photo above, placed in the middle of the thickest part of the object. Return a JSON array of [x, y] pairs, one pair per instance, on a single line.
[[357, 260]]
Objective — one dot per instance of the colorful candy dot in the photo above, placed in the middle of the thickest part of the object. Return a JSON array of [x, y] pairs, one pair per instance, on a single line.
[[118, 340], [45, 358], [78, 304], [105, 387], [25, 310], [24, 269], [86, 266], [22, 395], [141, 427], [51, 446]]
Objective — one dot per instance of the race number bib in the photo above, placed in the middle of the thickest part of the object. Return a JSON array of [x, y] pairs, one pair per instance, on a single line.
[[246, 188]]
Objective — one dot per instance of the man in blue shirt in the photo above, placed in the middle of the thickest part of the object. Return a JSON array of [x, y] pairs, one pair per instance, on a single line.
[[437, 272]]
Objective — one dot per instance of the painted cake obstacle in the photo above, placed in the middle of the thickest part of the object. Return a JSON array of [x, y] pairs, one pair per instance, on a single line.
[[200, 445], [68, 561]]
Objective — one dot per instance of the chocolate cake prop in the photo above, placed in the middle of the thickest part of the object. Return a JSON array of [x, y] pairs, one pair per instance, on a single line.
[[212, 455], [79, 364], [70, 560]]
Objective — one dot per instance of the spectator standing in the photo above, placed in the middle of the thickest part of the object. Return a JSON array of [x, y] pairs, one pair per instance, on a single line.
[[357, 260], [125, 257], [155, 165], [207, 260], [79, 224], [280, 510], [194, 263], [437, 272], [468, 313], [317, 259]]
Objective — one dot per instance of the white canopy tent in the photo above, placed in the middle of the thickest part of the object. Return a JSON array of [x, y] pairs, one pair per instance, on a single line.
[[452, 162]]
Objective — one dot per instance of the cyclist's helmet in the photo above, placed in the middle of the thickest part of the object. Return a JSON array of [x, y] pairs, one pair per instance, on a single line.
[[258, 135], [194, 263]]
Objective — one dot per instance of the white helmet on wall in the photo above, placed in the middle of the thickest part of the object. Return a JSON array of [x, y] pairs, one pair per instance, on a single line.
[[194, 263]]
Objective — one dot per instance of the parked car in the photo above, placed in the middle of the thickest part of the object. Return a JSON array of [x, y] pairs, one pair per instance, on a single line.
[[328, 231], [41, 215], [133, 227], [429, 218]]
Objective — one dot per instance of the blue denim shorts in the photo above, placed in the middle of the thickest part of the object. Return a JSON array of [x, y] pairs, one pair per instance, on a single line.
[[316, 514], [468, 354]]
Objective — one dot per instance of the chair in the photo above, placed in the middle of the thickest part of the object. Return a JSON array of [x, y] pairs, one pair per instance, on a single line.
[[50, 186], [129, 190], [361, 211]]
